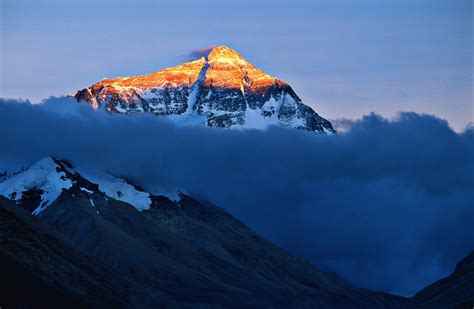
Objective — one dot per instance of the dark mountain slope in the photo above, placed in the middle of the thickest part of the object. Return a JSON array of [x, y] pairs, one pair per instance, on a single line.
[[167, 252], [193, 253], [456, 290], [39, 268]]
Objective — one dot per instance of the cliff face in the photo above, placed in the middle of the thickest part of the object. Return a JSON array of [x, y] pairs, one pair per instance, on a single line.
[[221, 89]]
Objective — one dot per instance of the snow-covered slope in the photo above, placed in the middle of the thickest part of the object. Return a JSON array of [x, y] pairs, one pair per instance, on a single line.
[[43, 182], [38, 186], [221, 89]]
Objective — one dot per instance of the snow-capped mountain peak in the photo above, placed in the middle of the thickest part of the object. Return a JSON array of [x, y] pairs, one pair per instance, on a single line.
[[221, 89], [224, 54], [38, 186]]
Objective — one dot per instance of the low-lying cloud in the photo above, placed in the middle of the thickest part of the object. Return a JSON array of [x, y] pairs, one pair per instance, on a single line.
[[387, 205]]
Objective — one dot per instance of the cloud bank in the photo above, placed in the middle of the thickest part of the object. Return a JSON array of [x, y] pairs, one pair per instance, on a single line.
[[387, 205]]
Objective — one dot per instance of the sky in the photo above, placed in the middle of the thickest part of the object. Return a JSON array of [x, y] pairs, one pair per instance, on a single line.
[[343, 58]]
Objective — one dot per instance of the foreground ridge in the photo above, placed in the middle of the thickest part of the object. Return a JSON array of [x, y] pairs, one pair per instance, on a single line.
[[145, 249]]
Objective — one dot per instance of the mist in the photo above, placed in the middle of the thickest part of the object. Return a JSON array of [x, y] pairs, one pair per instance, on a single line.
[[387, 204]]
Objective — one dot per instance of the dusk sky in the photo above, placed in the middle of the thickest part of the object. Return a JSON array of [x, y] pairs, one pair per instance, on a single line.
[[343, 58]]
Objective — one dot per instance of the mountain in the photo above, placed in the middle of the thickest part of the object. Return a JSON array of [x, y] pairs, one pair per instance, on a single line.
[[37, 187], [42, 269], [221, 89], [456, 290], [79, 236]]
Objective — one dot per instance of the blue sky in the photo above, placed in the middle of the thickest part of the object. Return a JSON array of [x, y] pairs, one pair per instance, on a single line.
[[344, 58]]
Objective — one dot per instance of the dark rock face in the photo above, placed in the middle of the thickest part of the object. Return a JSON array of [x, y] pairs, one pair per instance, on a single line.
[[40, 268], [219, 90], [454, 291], [31, 199]]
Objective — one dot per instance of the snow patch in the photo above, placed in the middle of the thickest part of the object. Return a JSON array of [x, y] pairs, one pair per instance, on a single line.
[[86, 190], [172, 194], [196, 88], [119, 189], [42, 175]]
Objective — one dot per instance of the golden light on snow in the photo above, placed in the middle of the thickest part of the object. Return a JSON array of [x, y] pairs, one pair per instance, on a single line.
[[225, 68]]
